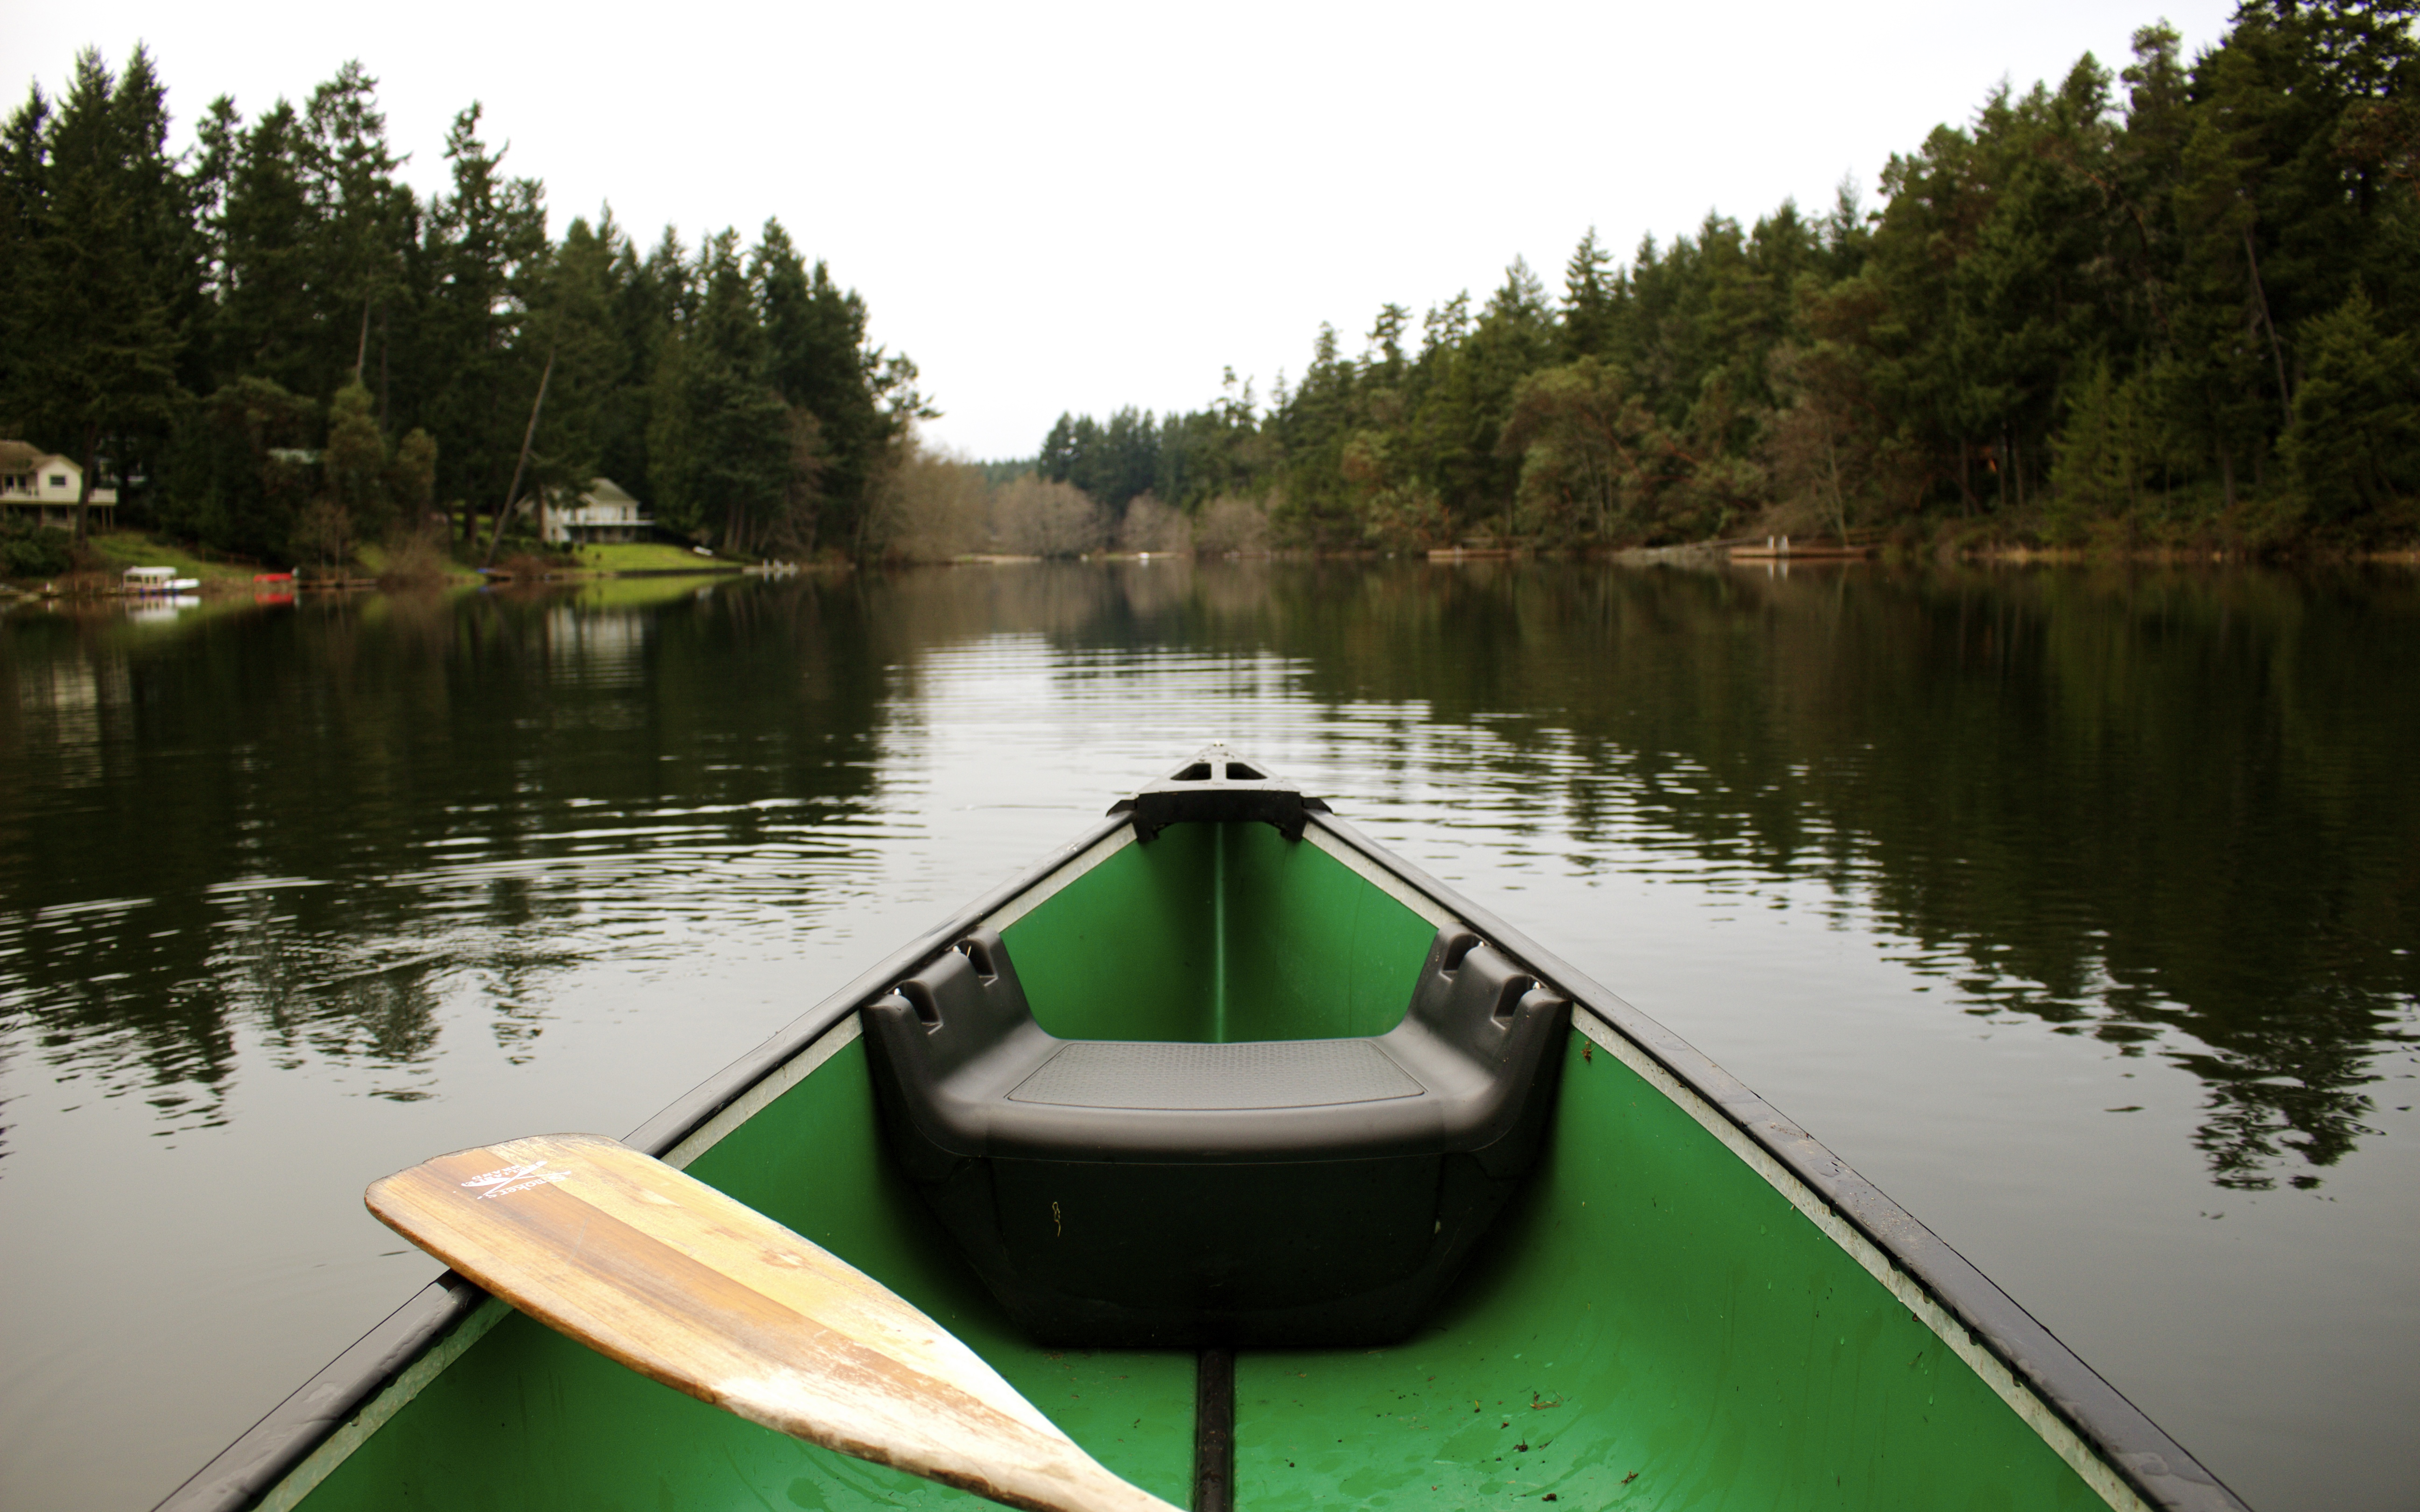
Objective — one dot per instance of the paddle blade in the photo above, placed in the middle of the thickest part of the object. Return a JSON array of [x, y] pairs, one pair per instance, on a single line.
[[684, 1285]]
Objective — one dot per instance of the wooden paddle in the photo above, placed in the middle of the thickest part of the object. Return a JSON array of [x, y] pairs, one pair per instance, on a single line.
[[682, 1283]]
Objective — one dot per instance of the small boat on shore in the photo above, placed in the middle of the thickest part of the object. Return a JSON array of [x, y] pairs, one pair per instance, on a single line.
[[149, 581], [1277, 1175]]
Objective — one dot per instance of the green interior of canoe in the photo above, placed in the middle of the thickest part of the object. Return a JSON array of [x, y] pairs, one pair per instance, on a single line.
[[1653, 1326], [1220, 933]]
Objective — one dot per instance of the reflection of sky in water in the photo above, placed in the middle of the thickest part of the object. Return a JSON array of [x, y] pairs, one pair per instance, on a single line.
[[1539, 812], [322, 892]]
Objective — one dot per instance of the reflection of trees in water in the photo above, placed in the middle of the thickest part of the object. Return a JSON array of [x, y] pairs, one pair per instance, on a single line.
[[2156, 808], [2287, 1085], [271, 819], [2124, 802]]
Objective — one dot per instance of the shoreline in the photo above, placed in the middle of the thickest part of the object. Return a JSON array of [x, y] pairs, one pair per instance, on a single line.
[[92, 587]]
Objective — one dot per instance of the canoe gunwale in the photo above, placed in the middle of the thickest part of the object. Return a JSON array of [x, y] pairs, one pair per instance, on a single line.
[[661, 1133], [247, 1471], [2155, 1465], [2143, 1456]]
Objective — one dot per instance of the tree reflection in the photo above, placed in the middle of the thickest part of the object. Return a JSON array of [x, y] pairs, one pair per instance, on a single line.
[[2170, 809], [2160, 806], [315, 822]]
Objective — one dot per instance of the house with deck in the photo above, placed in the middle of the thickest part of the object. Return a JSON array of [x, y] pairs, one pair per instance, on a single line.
[[602, 512], [39, 487]]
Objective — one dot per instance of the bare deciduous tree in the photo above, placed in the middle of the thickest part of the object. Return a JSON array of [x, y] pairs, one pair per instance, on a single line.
[[1153, 527], [1232, 526], [929, 505], [1035, 516]]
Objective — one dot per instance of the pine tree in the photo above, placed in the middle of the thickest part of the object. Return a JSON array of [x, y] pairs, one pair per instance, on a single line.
[[1056, 460], [265, 326], [360, 220], [721, 437], [165, 227], [2354, 443], [355, 460], [481, 242], [1587, 299], [25, 191], [651, 296], [860, 399], [108, 365], [572, 315]]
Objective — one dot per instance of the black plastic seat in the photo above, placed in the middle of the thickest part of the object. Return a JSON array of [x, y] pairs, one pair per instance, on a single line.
[[1292, 1192]]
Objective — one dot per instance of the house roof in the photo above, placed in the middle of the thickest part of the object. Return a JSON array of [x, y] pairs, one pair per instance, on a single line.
[[19, 457], [606, 491]]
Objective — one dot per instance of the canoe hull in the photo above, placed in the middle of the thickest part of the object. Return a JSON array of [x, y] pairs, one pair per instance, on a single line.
[[1690, 1303]]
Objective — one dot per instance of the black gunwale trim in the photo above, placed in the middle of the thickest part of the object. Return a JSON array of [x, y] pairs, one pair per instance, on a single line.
[[2158, 1469], [2155, 1465], [247, 1470]]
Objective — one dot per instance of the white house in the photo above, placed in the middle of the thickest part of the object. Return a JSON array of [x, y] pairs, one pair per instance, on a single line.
[[603, 513], [40, 488]]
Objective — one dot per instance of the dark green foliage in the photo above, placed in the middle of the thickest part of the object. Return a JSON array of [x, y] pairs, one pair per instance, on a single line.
[[243, 468], [33, 552], [266, 324], [773, 419], [1114, 463], [846, 403], [95, 256], [239, 339], [2181, 314], [482, 246], [412, 479], [355, 458], [720, 436], [2354, 443], [595, 393], [353, 502]]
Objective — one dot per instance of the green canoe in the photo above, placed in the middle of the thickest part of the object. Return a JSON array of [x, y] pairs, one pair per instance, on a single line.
[[1596, 1271]]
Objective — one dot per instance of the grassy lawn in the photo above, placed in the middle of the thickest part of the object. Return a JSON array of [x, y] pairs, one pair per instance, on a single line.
[[373, 561], [646, 556], [121, 549]]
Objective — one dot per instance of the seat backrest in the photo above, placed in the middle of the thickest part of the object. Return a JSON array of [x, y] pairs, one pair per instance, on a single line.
[[1128, 1194], [1479, 1039], [1482, 1033], [961, 1006], [1474, 1000]]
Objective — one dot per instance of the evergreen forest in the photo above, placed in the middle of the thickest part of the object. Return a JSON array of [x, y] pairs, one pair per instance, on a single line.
[[2174, 305], [276, 350]]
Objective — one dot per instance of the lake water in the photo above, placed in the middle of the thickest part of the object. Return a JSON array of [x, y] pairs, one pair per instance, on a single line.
[[2078, 910]]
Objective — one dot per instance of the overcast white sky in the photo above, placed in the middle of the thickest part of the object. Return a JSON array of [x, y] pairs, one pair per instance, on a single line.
[[1059, 207]]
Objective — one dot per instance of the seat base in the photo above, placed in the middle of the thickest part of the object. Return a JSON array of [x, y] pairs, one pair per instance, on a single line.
[[1101, 1255], [1171, 1194]]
